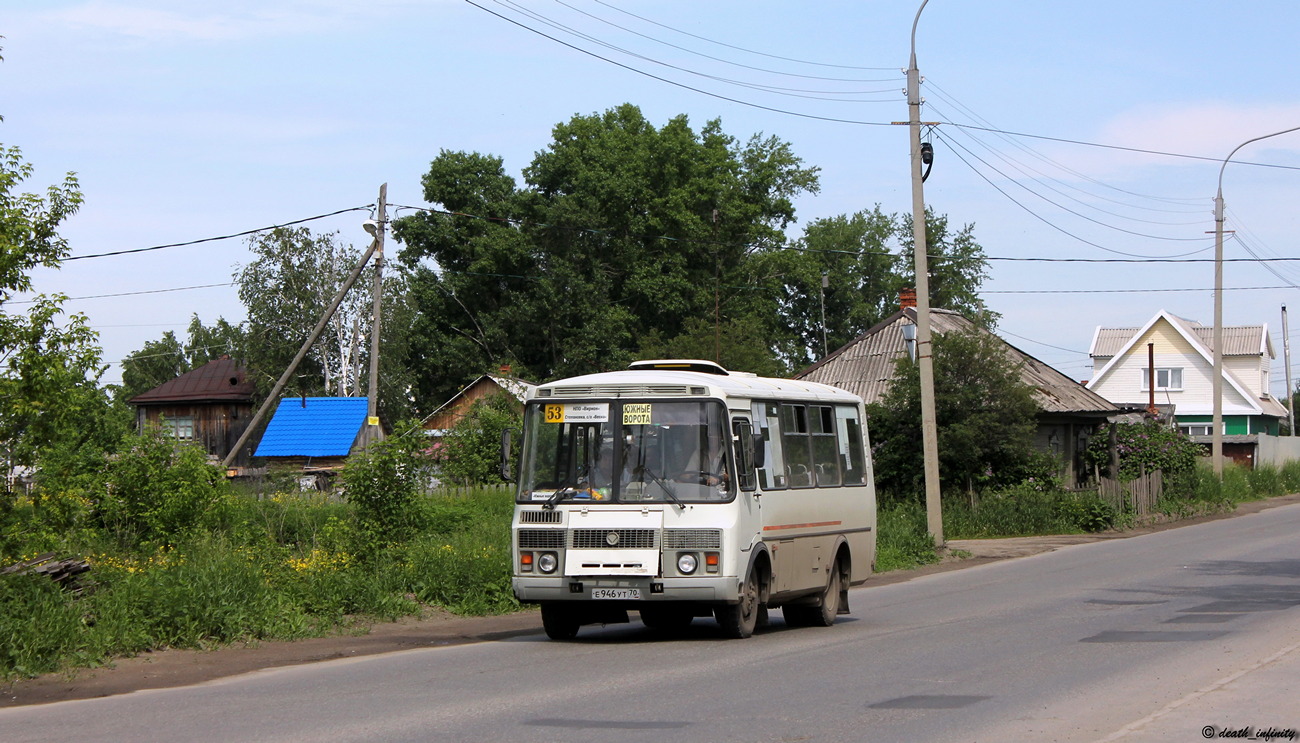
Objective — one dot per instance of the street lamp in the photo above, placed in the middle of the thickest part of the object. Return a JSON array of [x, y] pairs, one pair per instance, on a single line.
[[929, 426], [1216, 433]]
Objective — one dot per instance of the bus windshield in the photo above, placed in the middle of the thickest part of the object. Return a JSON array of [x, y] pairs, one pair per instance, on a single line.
[[674, 452]]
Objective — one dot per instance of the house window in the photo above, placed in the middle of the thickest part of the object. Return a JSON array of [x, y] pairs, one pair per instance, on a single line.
[[1166, 379], [180, 427], [1196, 429]]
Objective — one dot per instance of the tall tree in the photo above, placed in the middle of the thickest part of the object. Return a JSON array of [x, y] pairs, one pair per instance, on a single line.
[[957, 267], [49, 367], [984, 411], [157, 362], [287, 288], [623, 234], [167, 358]]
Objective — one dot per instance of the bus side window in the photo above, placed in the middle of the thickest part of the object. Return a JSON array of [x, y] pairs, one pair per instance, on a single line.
[[795, 439], [825, 452], [744, 446], [851, 452], [771, 473]]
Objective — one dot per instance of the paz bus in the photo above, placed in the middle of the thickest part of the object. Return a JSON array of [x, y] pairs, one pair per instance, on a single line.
[[679, 489]]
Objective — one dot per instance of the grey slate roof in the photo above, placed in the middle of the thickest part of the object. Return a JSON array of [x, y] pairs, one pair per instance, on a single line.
[[865, 366], [313, 427], [1238, 340]]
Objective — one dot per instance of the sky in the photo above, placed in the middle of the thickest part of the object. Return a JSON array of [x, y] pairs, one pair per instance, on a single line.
[[1066, 131]]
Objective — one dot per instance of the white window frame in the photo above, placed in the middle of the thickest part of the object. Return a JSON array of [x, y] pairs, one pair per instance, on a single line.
[[1204, 429], [1170, 374], [180, 427]]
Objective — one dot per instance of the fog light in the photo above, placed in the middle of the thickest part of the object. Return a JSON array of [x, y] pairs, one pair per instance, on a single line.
[[546, 562], [686, 563]]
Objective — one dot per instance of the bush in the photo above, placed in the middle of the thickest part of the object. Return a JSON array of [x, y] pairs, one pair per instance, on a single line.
[[157, 490], [384, 484], [1149, 446]]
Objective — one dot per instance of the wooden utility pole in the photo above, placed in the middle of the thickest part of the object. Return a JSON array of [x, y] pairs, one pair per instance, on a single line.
[[372, 401], [274, 395]]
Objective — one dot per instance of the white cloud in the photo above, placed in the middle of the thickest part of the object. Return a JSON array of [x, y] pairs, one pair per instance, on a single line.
[[1210, 129]]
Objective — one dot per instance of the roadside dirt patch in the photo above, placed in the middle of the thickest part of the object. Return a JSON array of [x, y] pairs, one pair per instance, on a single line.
[[172, 668]]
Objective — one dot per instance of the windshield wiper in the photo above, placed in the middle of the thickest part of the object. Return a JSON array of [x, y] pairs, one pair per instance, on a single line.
[[668, 489], [564, 490]]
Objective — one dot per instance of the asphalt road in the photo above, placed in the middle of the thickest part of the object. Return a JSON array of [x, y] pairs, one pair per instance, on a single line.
[[1164, 637]]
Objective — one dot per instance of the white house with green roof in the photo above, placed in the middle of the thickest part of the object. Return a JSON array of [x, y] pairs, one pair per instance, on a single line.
[[1183, 353]]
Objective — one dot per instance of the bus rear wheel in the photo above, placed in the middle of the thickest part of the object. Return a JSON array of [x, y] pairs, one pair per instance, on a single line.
[[738, 619], [559, 621], [821, 614]]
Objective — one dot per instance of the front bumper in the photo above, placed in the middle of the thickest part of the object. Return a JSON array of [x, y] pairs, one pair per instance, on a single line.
[[702, 589]]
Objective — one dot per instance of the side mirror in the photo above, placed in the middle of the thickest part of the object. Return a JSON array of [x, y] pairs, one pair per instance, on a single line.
[[759, 450], [507, 470]]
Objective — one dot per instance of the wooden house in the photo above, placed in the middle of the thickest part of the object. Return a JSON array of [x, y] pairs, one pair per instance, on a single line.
[[211, 406], [447, 415]]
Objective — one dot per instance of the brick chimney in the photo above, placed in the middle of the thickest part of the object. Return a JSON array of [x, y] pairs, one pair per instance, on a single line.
[[906, 298]]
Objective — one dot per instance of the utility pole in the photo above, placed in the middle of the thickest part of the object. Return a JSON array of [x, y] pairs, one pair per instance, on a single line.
[[1286, 361], [372, 401], [924, 348], [1216, 441], [274, 396]]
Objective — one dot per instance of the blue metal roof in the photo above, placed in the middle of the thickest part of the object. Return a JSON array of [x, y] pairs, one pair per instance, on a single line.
[[313, 427]]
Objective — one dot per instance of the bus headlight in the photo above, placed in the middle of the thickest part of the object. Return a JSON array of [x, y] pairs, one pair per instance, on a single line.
[[547, 562], [687, 563]]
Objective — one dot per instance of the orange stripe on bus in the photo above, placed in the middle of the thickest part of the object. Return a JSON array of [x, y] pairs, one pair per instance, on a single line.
[[802, 526]]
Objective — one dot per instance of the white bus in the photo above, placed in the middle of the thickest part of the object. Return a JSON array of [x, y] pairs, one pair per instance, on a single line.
[[679, 489]]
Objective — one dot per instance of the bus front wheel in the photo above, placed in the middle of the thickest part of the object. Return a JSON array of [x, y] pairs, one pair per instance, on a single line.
[[738, 619], [559, 621]]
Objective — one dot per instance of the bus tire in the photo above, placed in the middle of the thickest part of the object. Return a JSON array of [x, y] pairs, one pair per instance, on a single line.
[[559, 621], [821, 614], [739, 619]]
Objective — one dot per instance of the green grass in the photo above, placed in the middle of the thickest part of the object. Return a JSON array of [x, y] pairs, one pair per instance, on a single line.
[[280, 567], [285, 565]]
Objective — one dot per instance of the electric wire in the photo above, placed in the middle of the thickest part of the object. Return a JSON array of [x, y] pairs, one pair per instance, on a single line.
[[1045, 180], [859, 122], [986, 164], [720, 59], [792, 92], [130, 294], [245, 233], [1041, 218], [966, 110], [739, 48]]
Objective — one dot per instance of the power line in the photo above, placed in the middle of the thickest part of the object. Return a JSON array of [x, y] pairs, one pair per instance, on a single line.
[[132, 294], [1067, 209], [858, 122], [720, 59], [245, 233], [1131, 291], [739, 48]]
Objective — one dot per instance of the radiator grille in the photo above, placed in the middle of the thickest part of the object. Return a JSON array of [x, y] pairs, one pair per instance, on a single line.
[[693, 539], [540, 517], [614, 538], [541, 539]]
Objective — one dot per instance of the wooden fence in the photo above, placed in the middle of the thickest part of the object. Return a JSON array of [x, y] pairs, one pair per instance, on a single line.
[[1138, 496]]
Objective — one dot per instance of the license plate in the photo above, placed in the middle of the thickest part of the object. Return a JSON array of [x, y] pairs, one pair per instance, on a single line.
[[616, 593]]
